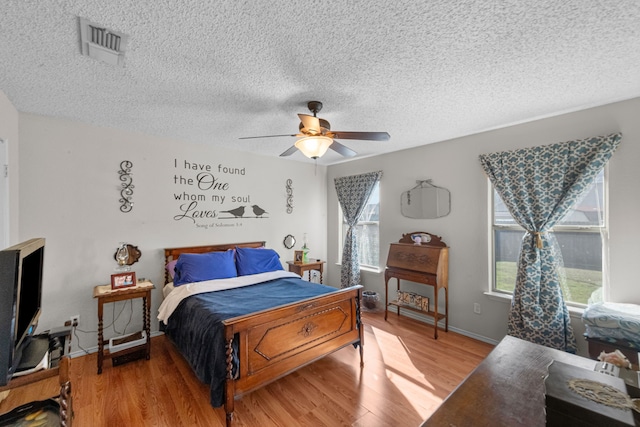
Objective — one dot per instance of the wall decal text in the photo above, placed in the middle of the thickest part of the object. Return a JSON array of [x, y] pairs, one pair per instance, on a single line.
[[204, 192]]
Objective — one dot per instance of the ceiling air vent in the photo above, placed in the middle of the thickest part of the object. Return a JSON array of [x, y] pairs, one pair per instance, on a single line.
[[101, 43]]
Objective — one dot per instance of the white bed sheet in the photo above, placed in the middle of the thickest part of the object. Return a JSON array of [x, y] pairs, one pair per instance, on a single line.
[[175, 294]]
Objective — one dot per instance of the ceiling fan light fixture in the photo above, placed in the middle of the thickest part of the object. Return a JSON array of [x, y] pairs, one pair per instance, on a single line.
[[314, 146]]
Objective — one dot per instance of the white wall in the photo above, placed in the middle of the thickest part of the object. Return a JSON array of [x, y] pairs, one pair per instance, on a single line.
[[9, 133], [454, 165], [69, 192]]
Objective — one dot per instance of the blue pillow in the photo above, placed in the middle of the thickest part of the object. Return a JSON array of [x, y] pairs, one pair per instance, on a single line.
[[257, 260], [200, 267]]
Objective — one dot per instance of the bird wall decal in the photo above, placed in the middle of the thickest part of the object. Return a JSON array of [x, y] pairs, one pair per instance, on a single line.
[[237, 212], [258, 211]]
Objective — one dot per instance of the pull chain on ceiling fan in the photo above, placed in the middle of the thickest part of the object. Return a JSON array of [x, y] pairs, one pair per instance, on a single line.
[[316, 136]]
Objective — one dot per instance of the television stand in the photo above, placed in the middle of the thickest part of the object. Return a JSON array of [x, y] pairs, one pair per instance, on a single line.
[[59, 344], [59, 341], [34, 357], [55, 409]]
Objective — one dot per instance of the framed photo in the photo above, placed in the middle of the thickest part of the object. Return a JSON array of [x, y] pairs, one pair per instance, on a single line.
[[123, 280], [297, 257]]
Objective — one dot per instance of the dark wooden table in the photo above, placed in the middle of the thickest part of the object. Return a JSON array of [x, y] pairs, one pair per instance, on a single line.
[[506, 389]]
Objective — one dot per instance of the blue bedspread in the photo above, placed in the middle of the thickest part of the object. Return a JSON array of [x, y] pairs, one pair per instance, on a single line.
[[196, 324]]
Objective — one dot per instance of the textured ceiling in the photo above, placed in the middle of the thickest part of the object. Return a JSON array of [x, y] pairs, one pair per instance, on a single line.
[[210, 72]]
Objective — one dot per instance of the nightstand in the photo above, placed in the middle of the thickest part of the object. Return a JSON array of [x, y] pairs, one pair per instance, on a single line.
[[307, 266], [105, 295]]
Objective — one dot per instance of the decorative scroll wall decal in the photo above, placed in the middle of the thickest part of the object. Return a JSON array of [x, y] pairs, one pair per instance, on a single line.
[[126, 190], [289, 196]]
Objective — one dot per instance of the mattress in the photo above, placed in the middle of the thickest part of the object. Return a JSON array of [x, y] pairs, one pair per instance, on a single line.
[[613, 321]]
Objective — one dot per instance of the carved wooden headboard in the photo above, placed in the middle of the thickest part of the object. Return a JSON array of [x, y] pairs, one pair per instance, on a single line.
[[173, 253]]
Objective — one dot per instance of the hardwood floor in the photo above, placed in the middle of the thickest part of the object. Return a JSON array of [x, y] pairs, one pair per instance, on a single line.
[[406, 376]]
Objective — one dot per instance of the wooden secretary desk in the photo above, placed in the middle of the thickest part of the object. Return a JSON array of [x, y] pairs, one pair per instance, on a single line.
[[426, 263]]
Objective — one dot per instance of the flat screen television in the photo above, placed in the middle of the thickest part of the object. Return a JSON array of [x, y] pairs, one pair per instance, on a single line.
[[20, 301]]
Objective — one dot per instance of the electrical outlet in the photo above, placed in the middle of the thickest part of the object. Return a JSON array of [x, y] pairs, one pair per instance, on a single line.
[[75, 319], [476, 308]]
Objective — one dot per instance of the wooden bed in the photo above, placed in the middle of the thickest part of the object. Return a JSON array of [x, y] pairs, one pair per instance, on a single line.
[[275, 342]]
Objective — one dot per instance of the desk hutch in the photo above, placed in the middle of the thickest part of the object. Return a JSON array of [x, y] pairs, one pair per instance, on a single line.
[[426, 263]]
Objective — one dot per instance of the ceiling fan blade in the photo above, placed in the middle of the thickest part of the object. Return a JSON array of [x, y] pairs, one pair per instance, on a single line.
[[290, 151], [365, 136], [266, 136], [342, 149], [310, 123]]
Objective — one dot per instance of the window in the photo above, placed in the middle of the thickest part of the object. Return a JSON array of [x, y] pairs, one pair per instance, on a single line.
[[367, 231], [581, 235]]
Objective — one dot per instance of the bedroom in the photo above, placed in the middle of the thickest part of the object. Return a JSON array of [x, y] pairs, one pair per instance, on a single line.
[[74, 208], [82, 201], [67, 191]]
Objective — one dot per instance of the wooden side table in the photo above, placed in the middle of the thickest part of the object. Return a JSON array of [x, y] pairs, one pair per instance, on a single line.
[[308, 266], [105, 295]]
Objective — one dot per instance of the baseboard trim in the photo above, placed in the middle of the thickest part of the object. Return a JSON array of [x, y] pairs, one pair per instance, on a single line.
[[430, 320]]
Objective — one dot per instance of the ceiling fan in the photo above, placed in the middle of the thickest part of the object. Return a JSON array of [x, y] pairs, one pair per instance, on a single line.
[[316, 136]]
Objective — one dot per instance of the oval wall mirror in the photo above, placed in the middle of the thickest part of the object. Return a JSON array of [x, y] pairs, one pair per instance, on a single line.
[[289, 241], [425, 201]]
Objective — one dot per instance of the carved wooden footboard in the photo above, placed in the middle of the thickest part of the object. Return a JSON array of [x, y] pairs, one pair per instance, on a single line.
[[275, 342]]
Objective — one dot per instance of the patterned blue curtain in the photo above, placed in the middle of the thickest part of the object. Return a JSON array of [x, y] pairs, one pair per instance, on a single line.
[[353, 193], [539, 186]]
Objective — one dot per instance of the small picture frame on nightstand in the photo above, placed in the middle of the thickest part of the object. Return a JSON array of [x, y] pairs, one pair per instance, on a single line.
[[123, 280], [297, 257]]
